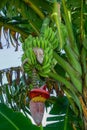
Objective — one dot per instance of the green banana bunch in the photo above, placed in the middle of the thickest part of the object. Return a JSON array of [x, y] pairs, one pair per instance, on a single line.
[[38, 53], [51, 36]]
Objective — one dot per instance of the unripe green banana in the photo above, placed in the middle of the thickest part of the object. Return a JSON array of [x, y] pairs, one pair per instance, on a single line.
[[50, 34], [46, 33], [51, 53], [46, 43], [27, 53], [37, 42], [34, 43], [26, 67], [46, 67], [55, 43], [42, 43], [47, 50], [32, 56], [45, 73], [45, 60], [23, 57]]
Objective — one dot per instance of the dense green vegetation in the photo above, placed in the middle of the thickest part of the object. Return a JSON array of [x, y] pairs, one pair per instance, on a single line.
[[60, 26]]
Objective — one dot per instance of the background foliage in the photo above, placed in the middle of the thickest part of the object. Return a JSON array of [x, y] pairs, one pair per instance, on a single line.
[[21, 18]]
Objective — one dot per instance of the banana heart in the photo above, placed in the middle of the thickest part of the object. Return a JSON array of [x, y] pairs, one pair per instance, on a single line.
[[37, 103]]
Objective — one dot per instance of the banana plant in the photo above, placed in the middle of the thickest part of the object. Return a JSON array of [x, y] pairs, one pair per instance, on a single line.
[[69, 56]]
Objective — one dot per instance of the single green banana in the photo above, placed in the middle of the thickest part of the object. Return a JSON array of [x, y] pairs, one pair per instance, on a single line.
[[46, 72], [52, 37], [34, 43], [38, 67], [25, 67], [47, 50], [23, 57], [38, 42], [50, 34], [47, 44], [26, 42], [46, 33], [32, 56], [48, 56], [42, 42], [55, 43], [28, 57], [45, 60], [46, 66], [43, 75], [26, 54], [50, 53]]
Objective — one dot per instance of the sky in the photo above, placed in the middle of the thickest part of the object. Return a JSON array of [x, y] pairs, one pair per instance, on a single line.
[[10, 58]]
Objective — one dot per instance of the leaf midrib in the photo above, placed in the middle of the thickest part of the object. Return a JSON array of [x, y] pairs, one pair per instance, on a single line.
[[10, 121]]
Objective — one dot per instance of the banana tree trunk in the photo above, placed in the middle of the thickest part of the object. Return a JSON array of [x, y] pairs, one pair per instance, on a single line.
[[83, 101]]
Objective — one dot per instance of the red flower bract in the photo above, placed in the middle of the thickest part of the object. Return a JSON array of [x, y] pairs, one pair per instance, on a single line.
[[39, 92], [38, 97]]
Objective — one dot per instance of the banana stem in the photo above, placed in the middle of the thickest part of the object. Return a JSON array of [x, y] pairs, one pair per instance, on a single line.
[[33, 26], [35, 8], [41, 127], [69, 87], [64, 64], [83, 60], [72, 73], [45, 24], [34, 79], [62, 80], [73, 59], [69, 29], [56, 16], [84, 66], [81, 28], [66, 118]]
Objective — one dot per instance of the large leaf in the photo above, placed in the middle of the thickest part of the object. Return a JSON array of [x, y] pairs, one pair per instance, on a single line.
[[11, 120], [32, 12], [61, 116], [2, 3]]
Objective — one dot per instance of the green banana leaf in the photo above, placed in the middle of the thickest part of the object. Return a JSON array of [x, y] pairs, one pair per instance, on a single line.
[[61, 116], [10, 120]]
